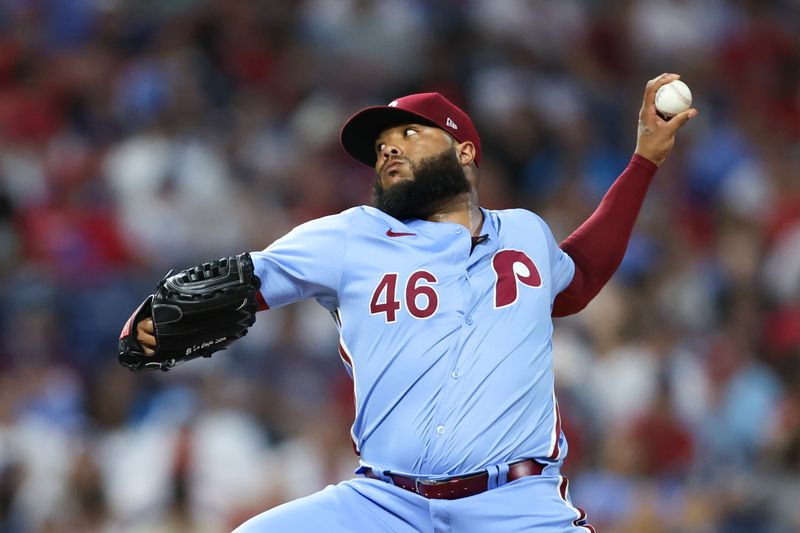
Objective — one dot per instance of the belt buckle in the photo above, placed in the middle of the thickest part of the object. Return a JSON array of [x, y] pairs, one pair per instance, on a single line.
[[424, 482]]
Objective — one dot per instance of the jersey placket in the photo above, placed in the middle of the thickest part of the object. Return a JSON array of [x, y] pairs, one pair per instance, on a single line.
[[449, 403], [474, 269], [441, 427]]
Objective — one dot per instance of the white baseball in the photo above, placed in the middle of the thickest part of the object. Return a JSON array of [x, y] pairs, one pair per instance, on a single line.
[[673, 98]]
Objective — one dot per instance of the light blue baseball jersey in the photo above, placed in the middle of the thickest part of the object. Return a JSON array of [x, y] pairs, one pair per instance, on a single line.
[[449, 347]]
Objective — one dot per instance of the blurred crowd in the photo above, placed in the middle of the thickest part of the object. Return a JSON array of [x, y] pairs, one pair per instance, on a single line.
[[138, 136]]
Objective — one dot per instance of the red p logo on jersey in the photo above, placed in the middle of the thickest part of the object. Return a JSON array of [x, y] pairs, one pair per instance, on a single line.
[[512, 267]]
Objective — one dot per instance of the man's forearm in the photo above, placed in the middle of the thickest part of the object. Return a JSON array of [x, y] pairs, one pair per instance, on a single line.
[[598, 245]]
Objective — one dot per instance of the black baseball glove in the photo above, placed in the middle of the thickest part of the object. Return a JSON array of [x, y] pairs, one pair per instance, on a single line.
[[195, 312]]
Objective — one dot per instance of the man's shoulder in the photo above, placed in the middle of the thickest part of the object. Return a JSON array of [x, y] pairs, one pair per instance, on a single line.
[[519, 223], [368, 217], [355, 217], [368, 213], [515, 215]]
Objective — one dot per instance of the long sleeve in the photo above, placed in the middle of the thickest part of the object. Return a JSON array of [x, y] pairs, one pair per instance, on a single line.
[[598, 245]]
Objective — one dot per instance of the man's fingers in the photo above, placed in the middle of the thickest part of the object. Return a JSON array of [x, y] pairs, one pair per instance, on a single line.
[[649, 102], [146, 335], [682, 118], [146, 340]]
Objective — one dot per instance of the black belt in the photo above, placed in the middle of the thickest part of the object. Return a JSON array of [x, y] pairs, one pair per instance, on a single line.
[[451, 488]]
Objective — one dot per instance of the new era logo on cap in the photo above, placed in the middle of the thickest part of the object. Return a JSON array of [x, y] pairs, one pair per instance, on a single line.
[[359, 133]]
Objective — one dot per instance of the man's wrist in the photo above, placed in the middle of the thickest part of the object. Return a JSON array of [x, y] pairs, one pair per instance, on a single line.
[[644, 161]]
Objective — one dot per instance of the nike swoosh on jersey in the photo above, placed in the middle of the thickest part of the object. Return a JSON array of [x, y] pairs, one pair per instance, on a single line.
[[391, 233]]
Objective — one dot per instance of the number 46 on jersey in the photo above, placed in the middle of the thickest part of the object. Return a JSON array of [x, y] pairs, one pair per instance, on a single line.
[[511, 268]]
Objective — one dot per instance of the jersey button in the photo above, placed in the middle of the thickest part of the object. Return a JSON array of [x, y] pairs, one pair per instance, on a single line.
[[456, 374], [440, 430], [468, 320]]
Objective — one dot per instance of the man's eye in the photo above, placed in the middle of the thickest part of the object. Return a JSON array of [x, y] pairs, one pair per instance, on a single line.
[[410, 131], [379, 147]]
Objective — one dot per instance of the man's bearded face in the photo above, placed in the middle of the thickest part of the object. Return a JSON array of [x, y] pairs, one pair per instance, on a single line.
[[435, 178]]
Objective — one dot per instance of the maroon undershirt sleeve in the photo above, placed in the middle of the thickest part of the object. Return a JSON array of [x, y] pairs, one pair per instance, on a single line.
[[598, 245]]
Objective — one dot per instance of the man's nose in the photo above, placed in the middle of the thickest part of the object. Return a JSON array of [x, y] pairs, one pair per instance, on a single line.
[[390, 150]]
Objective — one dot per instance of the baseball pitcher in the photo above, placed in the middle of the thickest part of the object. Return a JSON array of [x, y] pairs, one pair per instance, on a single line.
[[444, 313]]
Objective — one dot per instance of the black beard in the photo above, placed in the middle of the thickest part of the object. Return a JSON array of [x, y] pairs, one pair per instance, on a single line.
[[436, 178]]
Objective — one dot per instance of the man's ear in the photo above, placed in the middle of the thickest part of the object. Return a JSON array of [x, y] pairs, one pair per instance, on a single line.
[[465, 152]]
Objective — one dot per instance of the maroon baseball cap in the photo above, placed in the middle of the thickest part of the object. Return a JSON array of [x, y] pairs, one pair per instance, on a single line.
[[359, 133]]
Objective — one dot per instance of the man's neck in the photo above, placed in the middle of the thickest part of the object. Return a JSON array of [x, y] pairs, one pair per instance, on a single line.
[[462, 209]]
